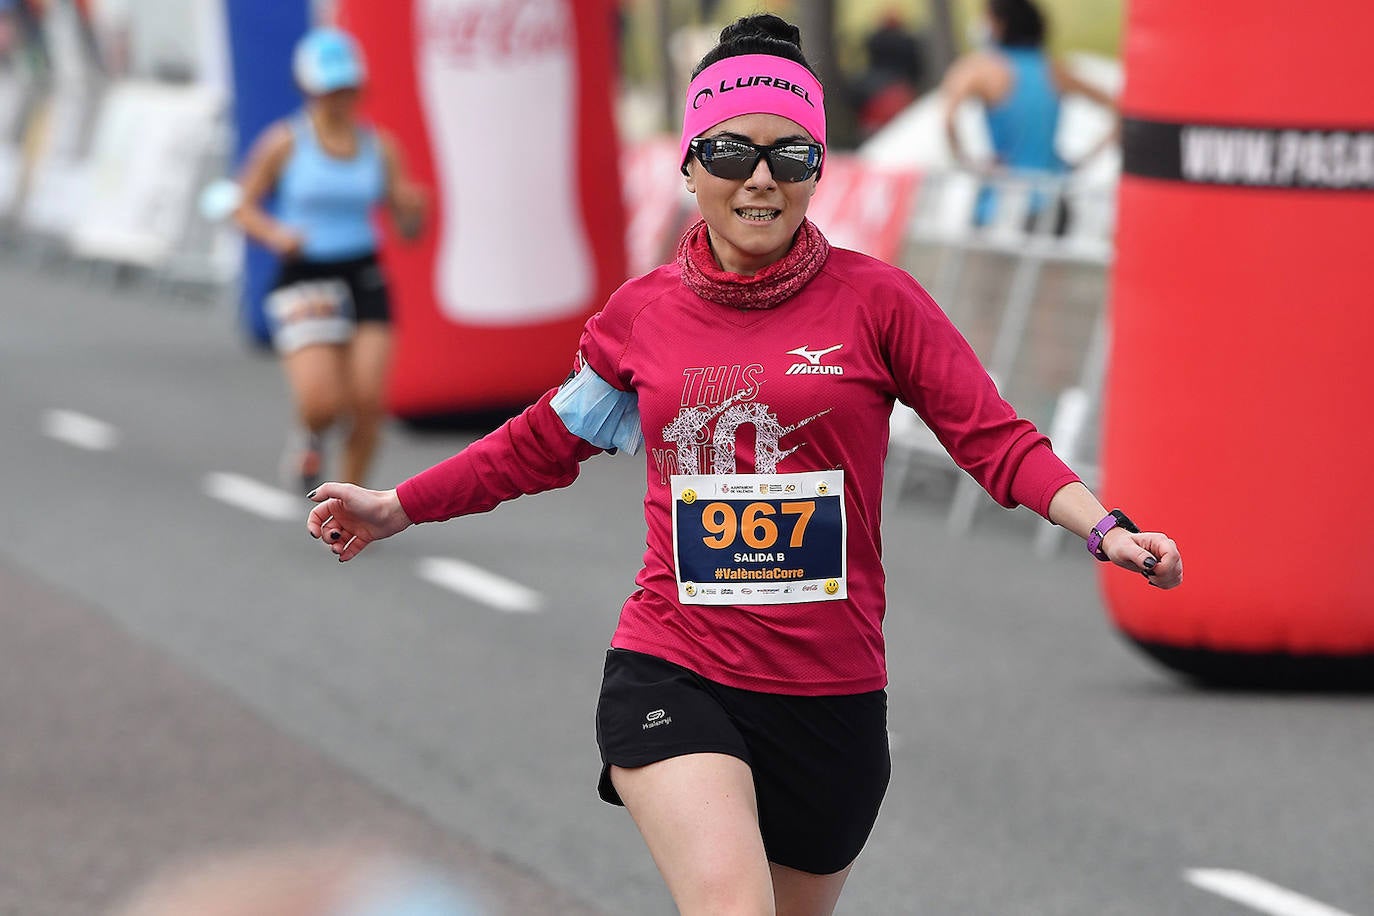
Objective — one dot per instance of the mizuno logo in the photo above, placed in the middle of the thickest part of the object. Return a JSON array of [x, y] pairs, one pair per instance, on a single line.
[[813, 366], [813, 356]]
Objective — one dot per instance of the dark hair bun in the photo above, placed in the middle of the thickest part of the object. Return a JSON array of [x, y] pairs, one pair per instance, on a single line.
[[762, 33], [764, 26]]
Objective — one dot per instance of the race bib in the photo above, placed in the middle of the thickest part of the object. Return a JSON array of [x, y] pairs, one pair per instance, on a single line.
[[310, 312], [759, 538]]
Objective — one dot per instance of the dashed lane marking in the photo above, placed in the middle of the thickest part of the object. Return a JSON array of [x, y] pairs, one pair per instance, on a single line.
[[1257, 893], [79, 430], [251, 496], [455, 575], [479, 585]]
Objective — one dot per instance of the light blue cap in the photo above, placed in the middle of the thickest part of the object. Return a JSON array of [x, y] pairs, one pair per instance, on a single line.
[[326, 60]]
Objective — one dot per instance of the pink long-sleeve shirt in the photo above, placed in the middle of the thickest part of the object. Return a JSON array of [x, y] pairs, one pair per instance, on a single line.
[[806, 386]]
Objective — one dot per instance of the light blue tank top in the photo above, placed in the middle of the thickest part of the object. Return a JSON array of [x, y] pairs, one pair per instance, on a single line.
[[1023, 124], [330, 200]]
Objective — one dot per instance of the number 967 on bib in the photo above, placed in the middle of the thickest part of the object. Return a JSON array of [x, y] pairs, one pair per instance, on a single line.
[[759, 538]]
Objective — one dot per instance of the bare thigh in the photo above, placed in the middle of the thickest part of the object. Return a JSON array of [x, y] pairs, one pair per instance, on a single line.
[[699, 818], [317, 377], [369, 354]]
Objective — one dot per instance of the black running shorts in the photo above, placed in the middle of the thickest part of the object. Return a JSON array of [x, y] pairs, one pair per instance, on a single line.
[[366, 283], [820, 764]]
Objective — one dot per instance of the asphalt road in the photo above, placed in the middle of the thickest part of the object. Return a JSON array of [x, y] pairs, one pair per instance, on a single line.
[[183, 669]]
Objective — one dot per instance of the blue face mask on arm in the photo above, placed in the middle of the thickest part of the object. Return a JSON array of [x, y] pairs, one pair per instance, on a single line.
[[595, 411]]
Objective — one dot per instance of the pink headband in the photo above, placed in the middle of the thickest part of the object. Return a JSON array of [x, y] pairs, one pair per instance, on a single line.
[[751, 84]]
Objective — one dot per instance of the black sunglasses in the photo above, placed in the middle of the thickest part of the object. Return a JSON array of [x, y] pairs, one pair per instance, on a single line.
[[725, 157]]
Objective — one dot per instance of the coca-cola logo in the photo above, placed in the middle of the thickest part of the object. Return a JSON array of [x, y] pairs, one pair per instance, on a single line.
[[466, 32]]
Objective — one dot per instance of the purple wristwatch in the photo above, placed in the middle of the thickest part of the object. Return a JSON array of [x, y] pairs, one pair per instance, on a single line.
[[1115, 518]]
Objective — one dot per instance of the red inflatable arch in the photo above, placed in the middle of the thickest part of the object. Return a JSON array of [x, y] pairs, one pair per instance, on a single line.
[[504, 111], [1240, 403]]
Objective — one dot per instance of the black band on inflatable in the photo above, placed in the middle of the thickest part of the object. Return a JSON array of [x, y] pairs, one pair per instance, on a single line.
[[1230, 155], [1265, 670]]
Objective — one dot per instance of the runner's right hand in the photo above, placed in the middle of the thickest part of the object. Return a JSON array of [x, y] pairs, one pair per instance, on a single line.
[[349, 517], [288, 245]]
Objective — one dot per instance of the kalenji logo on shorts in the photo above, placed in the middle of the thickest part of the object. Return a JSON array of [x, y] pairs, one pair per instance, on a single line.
[[813, 366], [656, 718]]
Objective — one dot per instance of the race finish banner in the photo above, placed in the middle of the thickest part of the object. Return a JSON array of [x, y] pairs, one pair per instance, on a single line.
[[759, 538], [864, 206]]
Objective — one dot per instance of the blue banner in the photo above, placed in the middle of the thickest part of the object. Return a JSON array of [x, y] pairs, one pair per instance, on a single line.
[[262, 35]]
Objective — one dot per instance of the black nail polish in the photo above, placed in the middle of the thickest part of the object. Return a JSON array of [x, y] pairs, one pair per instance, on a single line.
[[334, 535], [311, 494]]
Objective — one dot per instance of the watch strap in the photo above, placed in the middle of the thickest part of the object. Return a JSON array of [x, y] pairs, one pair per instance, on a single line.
[[1114, 519]]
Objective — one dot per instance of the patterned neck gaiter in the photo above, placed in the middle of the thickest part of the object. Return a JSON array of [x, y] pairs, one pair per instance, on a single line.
[[776, 283]]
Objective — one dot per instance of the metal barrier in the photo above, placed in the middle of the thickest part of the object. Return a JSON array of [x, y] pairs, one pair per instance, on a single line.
[[1033, 223], [207, 251], [105, 179]]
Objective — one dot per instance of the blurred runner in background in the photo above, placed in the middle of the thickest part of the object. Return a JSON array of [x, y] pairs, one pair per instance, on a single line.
[[1020, 88], [329, 310], [743, 711]]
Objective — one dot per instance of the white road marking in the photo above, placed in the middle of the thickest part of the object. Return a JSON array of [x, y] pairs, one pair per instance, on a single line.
[[455, 575], [260, 499], [479, 585], [80, 430], [1257, 893]]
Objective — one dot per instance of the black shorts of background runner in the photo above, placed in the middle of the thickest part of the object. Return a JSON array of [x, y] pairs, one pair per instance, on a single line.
[[366, 283], [821, 764]]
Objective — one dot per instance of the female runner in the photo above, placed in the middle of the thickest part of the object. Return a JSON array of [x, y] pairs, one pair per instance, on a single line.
[[742, 718], [329, 311]]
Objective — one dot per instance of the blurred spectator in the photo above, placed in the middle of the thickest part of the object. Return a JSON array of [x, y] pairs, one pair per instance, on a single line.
[[1020, 89], [299, 882], [893, 48], [894, 77], [8, 30], [329, 311], [709, 10]]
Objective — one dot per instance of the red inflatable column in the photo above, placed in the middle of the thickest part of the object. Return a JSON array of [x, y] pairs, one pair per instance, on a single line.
[[1240, 404], [503, 108]]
